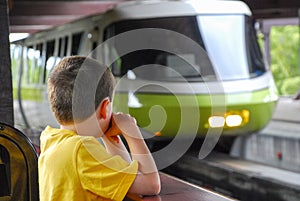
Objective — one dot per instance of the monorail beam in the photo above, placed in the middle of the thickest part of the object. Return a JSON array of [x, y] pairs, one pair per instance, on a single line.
[[6, 100]]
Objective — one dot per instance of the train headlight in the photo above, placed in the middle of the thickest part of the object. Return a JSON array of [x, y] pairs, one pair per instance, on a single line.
[[233, 120], [216, 121], [230, 119], [236, 118]]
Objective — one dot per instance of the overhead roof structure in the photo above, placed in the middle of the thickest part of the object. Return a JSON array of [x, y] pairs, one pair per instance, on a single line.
[[29, 16], [274, 8]]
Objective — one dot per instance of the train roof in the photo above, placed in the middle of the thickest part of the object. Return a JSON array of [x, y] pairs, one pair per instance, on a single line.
[[169, 8], [145, 9]]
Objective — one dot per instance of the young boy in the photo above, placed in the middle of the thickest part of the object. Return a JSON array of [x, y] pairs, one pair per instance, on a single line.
[[73, 165]]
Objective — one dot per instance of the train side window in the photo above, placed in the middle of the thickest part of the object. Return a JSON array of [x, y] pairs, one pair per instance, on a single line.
[[35, 63], [94, 50], [15, 62], [60, 47], [49, 59], [111, 52], [63, 47], [93, 38], [37, 70], [76, 43], [28, 51], [29, 62], [69, 45]]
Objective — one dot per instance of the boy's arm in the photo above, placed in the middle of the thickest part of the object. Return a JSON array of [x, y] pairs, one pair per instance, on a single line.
[[116, 147], [147, 181]]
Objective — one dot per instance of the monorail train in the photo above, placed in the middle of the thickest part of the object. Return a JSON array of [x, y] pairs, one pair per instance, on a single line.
[[183, 67]]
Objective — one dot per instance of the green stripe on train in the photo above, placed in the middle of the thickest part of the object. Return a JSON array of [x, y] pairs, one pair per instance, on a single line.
[[167, 114]]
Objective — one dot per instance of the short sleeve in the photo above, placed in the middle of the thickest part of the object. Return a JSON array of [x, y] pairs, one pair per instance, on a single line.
[[103, 174]]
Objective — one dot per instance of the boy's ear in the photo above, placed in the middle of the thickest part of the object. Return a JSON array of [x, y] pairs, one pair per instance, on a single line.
[[102, 110]]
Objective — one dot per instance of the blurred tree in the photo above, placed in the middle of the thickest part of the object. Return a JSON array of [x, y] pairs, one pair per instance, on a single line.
[[284, 58], [6, 100]]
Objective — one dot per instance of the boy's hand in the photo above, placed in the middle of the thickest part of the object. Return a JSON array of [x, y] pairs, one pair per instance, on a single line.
[[113, 131], [121, 124], [147, 180]]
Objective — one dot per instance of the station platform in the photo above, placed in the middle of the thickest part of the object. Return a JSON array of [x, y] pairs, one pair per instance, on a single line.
[[287, 110], [174, 189], [278, 144], [238, 178]]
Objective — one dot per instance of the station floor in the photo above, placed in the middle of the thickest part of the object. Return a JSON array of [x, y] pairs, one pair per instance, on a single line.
[[288, 110]]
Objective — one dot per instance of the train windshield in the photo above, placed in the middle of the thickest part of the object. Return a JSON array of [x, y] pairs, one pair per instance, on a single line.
[[227, 49]]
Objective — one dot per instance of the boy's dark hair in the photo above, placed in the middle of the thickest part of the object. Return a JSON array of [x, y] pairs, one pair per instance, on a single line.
[[73, 83]]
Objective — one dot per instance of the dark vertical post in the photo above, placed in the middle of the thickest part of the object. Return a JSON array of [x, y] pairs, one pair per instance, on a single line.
[[6, 99], [299, 37], [266, 28]]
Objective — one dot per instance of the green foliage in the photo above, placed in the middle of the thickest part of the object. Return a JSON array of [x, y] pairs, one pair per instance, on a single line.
[[289, 86], [284, 47]]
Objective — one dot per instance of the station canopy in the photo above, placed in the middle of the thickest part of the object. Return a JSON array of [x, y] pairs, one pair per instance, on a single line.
[[29, 16]]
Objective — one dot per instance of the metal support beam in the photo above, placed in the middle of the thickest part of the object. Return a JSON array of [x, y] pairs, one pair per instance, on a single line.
[[6, 100]]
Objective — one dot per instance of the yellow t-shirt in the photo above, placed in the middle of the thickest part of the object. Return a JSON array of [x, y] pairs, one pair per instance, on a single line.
[[73, 167]]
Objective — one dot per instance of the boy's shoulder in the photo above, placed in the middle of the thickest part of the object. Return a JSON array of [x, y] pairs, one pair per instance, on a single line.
[[54, 141], [57, 138], [57, 133]]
